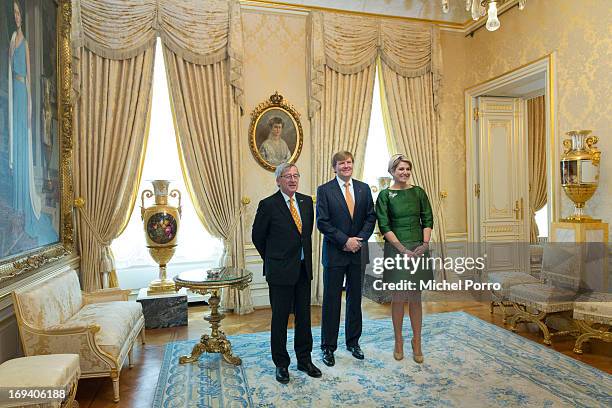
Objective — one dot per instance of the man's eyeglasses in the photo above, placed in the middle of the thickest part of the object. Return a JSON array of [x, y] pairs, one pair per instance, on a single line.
[[291, 176]]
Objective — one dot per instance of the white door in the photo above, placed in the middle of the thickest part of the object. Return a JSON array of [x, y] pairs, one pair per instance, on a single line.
[[503, 179]]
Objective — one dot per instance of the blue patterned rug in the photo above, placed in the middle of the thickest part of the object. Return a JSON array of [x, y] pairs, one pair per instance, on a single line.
[[468, 363]]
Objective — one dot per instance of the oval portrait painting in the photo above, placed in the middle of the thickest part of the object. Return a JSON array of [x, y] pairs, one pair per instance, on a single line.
[[276, 133]]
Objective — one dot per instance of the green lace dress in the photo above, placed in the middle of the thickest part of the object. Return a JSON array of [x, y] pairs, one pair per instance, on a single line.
[[406, 213]]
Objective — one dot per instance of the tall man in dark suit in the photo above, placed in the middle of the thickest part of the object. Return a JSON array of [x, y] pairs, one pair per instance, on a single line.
[[346, 218], [282, 235]]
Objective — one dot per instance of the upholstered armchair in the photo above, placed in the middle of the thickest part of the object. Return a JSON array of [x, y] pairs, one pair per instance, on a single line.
[[55, 317]]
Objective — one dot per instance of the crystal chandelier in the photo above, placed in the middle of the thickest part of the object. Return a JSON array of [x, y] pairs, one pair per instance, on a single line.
[[478, 8]]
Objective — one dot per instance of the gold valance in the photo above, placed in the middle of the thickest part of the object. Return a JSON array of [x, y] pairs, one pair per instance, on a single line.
[[349, 44], [202, 32]]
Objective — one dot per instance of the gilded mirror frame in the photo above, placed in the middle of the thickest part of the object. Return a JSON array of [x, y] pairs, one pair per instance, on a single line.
[[15, 267]]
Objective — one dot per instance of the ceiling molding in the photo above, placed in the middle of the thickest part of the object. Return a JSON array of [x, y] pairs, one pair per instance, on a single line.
[[265, 4], [468, 27]]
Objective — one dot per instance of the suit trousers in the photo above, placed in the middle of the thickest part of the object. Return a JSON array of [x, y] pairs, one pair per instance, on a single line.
[[286, 299], [332, 304]]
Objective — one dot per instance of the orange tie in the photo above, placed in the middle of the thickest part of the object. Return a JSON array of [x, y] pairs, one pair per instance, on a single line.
[[349, 198], [295, 215]]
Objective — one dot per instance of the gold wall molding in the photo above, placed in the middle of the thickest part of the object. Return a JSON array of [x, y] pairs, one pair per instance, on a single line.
[[500, 228], [542, 65], [494, 211], [278, 5], [496, 107], [468, 27]]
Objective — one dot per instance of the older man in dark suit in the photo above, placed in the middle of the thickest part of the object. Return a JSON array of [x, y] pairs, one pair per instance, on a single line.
[[282, 235], [346, 218]]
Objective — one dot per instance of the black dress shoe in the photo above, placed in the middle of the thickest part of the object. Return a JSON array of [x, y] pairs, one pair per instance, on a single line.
[[310, 369], [356, 351], [282, 375], [328, 358]]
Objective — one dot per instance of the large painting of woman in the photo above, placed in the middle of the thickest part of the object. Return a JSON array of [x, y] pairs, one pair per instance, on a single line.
[[27, 199]]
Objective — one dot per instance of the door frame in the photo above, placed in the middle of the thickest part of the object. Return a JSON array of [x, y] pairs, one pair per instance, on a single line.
[[546, 65]]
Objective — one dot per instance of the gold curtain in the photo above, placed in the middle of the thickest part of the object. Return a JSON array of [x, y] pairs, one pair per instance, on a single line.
[[410, 112], [111, 119], [200, 31], [208, 129], [343, 51], [341, 124], [536, 124], [110, 38]]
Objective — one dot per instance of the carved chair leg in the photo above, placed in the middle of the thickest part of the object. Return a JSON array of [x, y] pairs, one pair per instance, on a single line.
[[514, 319], [505, 316], [69, 402], [512, 322], [115, 378], [142, 335], [131, 357], [590, 331], [579, 341], [545, 332]]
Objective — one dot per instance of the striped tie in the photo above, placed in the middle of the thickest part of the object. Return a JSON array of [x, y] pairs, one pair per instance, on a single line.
[[295, 215]]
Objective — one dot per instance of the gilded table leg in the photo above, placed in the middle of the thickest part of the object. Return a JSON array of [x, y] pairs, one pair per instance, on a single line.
[[216, 342], [197, 351], [226, 350]]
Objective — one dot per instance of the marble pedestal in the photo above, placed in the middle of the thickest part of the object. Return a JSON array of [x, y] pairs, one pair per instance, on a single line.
[[591, 240], [163, 310]]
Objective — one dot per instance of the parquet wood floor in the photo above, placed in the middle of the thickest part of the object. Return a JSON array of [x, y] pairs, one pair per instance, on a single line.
[[137, 385]]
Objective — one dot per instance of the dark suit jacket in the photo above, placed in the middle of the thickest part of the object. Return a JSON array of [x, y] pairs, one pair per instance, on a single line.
[[335, 222], [278, 240]]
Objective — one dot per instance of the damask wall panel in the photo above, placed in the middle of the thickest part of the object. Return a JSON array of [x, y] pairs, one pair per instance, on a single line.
[[452, 131], [578, 33], [274, 60]]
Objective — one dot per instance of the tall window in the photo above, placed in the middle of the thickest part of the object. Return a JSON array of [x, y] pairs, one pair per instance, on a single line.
[[135, 267], [377, 154], [541, 218]]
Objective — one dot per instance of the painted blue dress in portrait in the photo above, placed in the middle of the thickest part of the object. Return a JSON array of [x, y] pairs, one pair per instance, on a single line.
[[27, 200]]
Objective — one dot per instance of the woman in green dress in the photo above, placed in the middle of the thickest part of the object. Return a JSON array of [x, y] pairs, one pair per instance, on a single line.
[[405, 219]]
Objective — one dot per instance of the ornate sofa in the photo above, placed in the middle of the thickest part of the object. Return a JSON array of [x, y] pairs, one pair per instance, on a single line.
[[55, 317]]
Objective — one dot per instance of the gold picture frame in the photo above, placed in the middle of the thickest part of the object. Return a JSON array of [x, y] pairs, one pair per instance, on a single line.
[[275, 133], [49, 126]]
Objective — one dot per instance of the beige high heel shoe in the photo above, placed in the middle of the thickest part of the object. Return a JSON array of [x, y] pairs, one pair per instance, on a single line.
[[399, 355], [418, 358]]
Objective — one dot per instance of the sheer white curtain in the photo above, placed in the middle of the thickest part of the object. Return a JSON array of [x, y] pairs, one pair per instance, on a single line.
[[195, 245], [377, 153]]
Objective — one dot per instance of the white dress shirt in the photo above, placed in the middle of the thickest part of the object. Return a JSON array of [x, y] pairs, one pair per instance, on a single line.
[[341, 183]]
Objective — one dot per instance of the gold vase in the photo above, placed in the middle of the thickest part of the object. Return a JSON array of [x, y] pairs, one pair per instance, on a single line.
[[580, 171], [161, 223]]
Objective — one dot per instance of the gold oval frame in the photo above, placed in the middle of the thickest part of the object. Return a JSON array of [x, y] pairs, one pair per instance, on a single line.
[[14, 268], [275, 102]]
